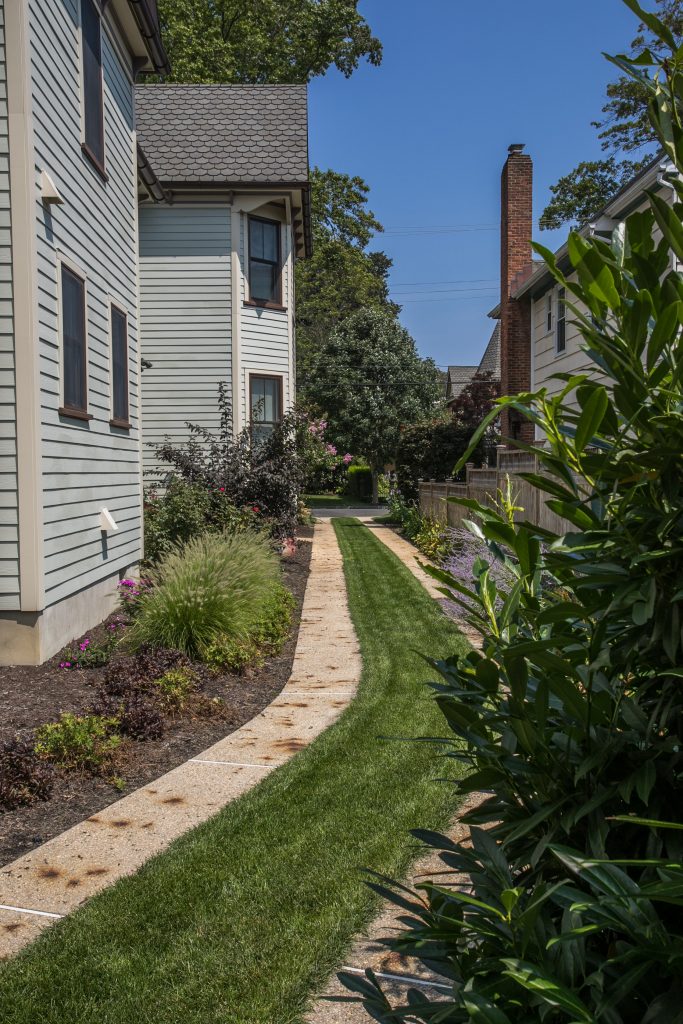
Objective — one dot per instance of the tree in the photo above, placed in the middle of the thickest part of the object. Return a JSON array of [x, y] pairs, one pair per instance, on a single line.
[[341, 277], [625, 128], [583, 192], [371, 382], [273, 41], [476, 400]]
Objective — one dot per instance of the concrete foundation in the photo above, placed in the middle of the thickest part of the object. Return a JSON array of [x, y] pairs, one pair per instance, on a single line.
[[30, 638]]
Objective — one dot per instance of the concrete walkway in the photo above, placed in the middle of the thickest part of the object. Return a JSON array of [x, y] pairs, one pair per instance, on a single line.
[[40, 888], [397, 973]]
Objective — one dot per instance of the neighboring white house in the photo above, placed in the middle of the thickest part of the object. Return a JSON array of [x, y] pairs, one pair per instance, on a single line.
[[217, 255], [71, 176], [557, 345], [540, 337]]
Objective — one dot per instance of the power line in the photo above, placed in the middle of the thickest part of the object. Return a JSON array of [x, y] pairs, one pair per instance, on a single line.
[[474, 280]]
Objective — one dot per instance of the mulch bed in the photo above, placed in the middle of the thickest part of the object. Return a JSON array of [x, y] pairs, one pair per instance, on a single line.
[[33, 695]]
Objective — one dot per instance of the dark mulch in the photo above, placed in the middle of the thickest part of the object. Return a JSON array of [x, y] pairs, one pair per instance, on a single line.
[[31, 696]]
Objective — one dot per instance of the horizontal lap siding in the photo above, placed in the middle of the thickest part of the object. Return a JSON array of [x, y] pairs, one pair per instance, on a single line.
[[85, 466], [547, 361], [265, 333], [185, 314], [9, 532]]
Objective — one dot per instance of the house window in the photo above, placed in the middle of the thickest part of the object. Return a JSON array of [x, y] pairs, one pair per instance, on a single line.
[[74, 346], [265, 401], [119, 368], [264, 261], [549, 313], [560, 326], [93, 100]]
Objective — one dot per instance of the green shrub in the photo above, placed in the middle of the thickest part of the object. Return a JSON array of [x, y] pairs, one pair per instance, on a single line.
[[176, 687], [571, 715], [359, 482], [215, 585], [186, 510], [78, 741], [266, 638], [430, 451], [432, 539]]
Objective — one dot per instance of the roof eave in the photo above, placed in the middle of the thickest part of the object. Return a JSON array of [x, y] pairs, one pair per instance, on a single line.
[[147, 22]]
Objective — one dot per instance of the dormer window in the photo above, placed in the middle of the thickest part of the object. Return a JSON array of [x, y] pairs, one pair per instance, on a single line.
[[93, 96]]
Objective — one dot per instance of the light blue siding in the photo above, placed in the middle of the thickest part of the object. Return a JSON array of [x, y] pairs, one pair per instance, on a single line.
[[185, 316], [85, 465], [9, 536]]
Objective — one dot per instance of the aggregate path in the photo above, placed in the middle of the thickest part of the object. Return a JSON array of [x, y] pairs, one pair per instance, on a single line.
[[397, 973], [56, 878]]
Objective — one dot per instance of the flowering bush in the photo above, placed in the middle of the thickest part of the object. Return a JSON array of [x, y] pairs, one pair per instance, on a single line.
[[325, 465], [266, 472], [130, 592], [186, 510], [91, 652]]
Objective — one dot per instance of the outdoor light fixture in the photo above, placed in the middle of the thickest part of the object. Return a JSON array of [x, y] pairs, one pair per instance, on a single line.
[[49, 193], [107, 522]]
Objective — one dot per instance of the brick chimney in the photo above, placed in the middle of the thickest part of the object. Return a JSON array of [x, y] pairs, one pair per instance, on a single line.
[[516, 226]]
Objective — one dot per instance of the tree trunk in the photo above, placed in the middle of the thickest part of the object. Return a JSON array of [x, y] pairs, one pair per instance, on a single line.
[[375, 486]]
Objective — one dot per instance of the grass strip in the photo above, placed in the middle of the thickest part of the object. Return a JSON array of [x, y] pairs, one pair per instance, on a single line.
[[334, 501], [241, 920]]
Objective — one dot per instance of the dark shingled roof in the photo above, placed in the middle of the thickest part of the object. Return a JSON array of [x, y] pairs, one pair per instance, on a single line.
[[224, 133], [457, 378], [490, 361]]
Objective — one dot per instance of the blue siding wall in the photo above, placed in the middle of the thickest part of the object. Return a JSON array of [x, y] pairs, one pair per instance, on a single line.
[[86, 465], [185, 317]]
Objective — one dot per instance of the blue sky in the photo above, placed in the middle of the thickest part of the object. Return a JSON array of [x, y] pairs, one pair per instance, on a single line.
[[429, 131]]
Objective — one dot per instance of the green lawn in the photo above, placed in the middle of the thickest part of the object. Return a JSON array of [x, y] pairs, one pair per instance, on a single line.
[[241, 920], [334, 501]]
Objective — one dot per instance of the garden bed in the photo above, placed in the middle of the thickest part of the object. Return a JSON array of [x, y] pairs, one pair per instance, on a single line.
[[33, 695]]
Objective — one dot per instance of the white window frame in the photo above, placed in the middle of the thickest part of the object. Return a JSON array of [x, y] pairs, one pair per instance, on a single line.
[[90, 157], [115, 303], [549, 312], [65, 261]]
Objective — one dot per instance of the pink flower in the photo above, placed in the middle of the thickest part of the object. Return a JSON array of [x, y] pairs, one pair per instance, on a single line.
[[347, 459], [222, 490], [255, 508], [330, 449]]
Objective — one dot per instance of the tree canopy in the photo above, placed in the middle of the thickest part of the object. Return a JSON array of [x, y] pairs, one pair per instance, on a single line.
[[624, 128], [342, 276], [371, 382], [264, 41]]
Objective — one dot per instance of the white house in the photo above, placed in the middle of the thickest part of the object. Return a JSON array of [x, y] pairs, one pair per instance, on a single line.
[[538, 338], [217, 254], [71, 272]]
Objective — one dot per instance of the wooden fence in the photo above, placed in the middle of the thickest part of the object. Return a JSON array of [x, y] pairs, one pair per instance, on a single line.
[[484, 486]]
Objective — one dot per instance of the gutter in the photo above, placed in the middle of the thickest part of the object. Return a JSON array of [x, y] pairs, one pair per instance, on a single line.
[[149, 179], [147, 20]]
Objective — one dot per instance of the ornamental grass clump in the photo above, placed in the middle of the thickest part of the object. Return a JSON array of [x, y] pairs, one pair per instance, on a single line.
[[214, 585]]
